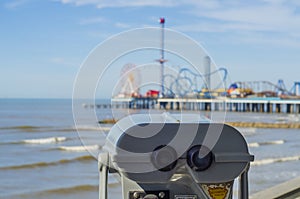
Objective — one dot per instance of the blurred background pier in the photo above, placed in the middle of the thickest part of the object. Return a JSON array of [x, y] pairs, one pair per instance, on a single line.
[[263, 105]]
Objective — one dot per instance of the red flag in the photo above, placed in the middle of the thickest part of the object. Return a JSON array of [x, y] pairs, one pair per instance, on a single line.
[[162, 20]]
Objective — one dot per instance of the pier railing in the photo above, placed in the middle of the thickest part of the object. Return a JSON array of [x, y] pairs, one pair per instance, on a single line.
[[264, 105]]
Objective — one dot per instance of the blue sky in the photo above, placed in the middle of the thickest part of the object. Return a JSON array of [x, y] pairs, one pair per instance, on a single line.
[[43, 43]]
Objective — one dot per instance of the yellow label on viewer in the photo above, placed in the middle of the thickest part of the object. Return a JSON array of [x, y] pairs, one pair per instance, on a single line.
[[218, 192]]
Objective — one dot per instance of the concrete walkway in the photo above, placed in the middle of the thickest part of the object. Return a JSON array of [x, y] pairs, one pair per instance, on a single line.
[[286, 190]]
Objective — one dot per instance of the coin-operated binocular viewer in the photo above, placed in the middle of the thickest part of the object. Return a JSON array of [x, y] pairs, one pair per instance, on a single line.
[[170, 159]]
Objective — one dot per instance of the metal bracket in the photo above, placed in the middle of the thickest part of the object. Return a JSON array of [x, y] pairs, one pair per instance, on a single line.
[[103, 162]]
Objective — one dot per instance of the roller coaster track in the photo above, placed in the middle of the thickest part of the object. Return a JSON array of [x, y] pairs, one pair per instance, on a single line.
[[262, 86], [188, 81]]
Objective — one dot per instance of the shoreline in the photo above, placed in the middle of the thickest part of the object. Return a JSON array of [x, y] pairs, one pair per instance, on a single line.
[[291, 125], [265, 125]]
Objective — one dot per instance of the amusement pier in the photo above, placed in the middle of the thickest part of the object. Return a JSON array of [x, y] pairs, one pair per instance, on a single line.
[[263, 105], [187, 89]]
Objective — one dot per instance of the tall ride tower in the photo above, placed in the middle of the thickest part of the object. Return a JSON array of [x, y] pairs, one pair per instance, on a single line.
[[162, 58]]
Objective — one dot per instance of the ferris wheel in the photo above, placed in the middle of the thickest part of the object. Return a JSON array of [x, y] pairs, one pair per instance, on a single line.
[[129, 80]]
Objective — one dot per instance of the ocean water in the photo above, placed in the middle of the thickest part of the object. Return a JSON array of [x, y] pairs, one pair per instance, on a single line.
[[42, 155]]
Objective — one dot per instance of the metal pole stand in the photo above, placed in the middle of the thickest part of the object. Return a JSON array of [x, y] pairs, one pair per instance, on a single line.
[[243, 184], [103, 174]]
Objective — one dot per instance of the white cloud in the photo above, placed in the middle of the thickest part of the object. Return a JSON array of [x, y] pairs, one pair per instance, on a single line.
[[260, 14], [270, 16], [271, 41], [121, 3], [280, 17], [276, 20], [217, 27]]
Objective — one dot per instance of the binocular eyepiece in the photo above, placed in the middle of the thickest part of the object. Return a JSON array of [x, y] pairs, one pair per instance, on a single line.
[[169, 159], [199, 158], [164, 158]]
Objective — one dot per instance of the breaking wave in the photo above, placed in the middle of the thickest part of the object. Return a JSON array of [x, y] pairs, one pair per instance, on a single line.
[[247, 131], [38, 141], [79, 148], [274, 160], [258, 144], [28, 128], [91, 128], [86, 158], [44, 140]]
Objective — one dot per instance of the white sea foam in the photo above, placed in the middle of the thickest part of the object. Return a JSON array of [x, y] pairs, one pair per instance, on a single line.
[[79, 148], [258, 144], [273, 142], [254, 144], [91, 128], [247, 131], [274, 160], [45, 140]]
